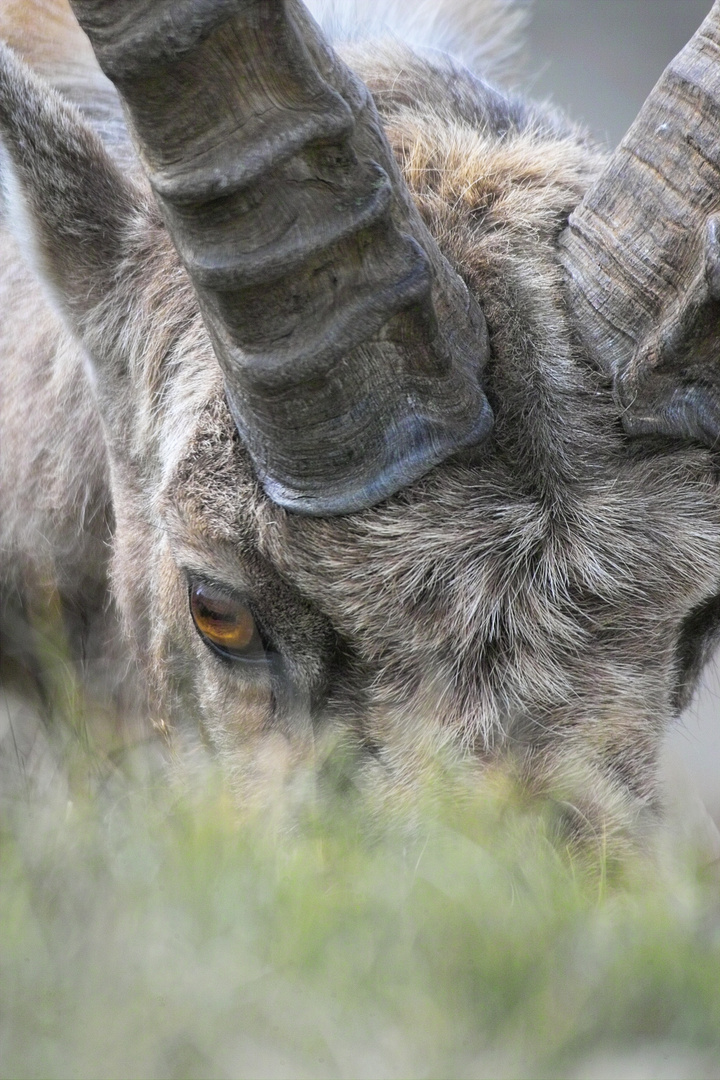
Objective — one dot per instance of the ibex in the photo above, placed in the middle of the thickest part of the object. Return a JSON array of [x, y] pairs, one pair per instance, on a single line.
[[370, 397]]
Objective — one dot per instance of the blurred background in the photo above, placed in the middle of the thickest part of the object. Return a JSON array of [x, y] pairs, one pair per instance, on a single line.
[[599, 59]]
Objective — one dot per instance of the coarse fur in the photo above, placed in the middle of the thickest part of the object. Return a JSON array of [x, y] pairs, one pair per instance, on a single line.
[[544, 602]]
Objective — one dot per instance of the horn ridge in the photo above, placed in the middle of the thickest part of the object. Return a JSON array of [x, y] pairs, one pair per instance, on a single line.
[[131, 38], [213, 176], [277, 240], [306, 350]]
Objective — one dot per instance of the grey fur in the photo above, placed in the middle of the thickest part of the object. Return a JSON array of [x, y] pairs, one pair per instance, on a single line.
[[541, 605]]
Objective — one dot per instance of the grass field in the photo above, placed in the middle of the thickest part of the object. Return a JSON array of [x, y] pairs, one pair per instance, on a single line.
[[148, 928]]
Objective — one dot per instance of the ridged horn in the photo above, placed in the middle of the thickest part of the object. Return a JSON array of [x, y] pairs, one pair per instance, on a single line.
[[351, 350], [642, 253]]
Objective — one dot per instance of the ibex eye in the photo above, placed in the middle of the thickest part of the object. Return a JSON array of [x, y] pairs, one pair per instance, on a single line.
[[225, 623]]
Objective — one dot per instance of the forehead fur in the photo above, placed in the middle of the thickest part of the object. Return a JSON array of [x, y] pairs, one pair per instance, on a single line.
[[484, 195]]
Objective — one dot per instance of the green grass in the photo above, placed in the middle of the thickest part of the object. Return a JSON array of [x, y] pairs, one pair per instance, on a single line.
[[149, 928]]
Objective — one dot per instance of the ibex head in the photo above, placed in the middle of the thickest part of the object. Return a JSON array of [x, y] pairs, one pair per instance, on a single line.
[[410, 417]]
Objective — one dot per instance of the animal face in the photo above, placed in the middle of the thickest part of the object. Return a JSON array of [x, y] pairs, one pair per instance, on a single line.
[[391, 449]]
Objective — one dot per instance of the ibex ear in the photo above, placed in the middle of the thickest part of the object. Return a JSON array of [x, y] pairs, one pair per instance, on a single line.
[[65, 199]]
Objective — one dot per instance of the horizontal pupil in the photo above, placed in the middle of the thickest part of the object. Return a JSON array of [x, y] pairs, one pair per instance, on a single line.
[[206, 613]]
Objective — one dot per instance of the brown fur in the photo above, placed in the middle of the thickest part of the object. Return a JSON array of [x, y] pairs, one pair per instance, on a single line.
[[537, 602]]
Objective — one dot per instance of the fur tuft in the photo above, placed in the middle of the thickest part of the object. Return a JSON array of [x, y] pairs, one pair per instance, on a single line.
[[484, 35]]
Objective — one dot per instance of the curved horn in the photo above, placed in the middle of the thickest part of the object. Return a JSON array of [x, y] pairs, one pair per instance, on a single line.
[[642, 253], [351, 350]]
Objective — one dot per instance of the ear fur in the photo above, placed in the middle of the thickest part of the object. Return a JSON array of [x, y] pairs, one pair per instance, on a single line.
[[65, 200], [45, 34]]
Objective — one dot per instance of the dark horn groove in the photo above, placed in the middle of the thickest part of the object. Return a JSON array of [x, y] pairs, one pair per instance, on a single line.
[[351, 350]]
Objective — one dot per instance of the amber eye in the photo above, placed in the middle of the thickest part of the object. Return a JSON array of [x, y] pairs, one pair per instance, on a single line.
[[225, 623]]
